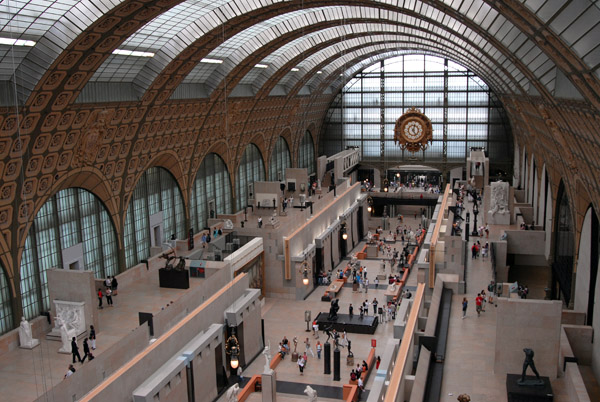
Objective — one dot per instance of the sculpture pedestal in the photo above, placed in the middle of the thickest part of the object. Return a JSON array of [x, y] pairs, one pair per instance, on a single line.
[[30, 345], [528, 393], [269, 384], [498, 219]]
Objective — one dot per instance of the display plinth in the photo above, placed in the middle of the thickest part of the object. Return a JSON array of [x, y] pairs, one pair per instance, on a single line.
[[173, 278], [269, 384], [349, 323], [528, 393]]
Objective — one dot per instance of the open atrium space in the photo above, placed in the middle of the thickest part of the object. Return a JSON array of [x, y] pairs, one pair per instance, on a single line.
[[299, 200]]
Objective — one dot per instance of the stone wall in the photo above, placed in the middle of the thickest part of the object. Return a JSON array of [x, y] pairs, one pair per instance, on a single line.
[[526, 323]]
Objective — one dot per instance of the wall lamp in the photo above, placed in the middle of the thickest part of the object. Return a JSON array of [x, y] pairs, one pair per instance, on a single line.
[[344, 231], [370, 203], [232, 348], [305, 271]]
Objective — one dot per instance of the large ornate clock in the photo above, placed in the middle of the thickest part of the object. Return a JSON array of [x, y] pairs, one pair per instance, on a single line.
[[413, 131]]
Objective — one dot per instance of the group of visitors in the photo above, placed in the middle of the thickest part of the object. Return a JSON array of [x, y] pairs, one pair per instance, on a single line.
[[477, 249], [110, 289], [87, 353]]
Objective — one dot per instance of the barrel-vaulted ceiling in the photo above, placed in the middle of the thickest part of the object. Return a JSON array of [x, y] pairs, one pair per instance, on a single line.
[[537, 47]]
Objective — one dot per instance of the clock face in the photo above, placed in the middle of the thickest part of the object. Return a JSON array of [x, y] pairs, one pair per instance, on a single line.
[[413, 130]]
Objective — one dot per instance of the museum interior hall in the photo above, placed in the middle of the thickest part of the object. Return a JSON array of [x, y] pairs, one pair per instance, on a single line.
[[246, 200]]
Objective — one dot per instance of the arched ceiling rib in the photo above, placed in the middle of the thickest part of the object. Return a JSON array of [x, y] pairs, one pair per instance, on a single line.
[[424, 42], [333, 64], [232, 53], [261, 32], [529, 30], [341, 69]]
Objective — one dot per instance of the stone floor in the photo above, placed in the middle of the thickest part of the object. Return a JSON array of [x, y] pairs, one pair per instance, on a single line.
[[26, 374], [469, 363]]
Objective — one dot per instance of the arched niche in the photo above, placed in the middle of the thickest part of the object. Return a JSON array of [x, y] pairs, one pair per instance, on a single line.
[[587, 266], [250, 169], [280, 160], [211, 192], [72, 230], [306, 153], [564, 247], [6, 313], [155, 213]]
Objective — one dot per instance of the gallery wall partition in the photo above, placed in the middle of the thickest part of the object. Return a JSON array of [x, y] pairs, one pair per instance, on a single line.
[[211, 192], [72, 230], [156, 202]]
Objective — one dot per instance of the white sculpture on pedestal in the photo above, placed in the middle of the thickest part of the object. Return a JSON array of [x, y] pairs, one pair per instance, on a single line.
[[311, 394], [267, 354], [227, 224], [232, 393], [65, 336], [26, 340]]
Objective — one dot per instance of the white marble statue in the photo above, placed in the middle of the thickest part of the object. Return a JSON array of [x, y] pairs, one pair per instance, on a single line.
[[232, 393], [311, 394], [65, 337], [227, 224], [26, 340], [499, 199], [267, 353]]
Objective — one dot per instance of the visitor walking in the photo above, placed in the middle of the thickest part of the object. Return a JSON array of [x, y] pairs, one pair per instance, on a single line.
[[465, 304], [93, 337], [301, 364], [478, 302], [100, 296], [319, 348], [75, 350]]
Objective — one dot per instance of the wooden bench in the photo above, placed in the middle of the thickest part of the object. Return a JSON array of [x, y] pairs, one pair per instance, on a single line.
[[251, 387], [362, 254], [365, 373], [350, 393], [275, 360]]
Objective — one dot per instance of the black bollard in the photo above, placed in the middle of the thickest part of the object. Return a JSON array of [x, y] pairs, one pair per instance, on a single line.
[[336, 364], [327, 358]]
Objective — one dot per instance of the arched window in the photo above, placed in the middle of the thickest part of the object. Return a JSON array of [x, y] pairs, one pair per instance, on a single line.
[[562, 266], [280, 160], [306, 154], [6, 316], [154, 214], [211, 191], [73, 226], [251, 169], [458, 103]]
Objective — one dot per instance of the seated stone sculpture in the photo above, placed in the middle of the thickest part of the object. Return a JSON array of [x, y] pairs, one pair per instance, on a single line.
[[26, 340]]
